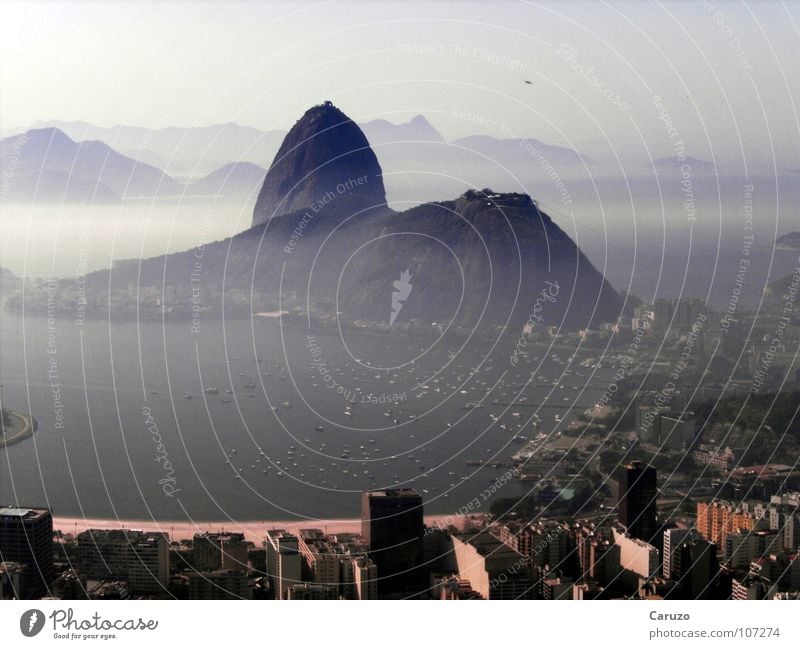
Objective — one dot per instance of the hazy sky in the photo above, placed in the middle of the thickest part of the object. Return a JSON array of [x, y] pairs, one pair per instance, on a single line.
[[727, 73]]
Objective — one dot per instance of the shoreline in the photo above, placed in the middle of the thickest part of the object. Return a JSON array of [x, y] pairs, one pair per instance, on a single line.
[[252, 530], [18, 433]]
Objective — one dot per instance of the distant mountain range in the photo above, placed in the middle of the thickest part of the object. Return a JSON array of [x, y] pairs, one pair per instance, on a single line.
[[222, 159], [45, 164], [234, 179], [526, 150], [675, 163], [419, 129], [324, 243], [181, 151], [193, 151]]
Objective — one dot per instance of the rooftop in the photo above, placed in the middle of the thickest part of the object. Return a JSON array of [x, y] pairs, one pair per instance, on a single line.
[[279, 534], [14, 511], [336, 544], [132, 536], [487, 544], [403, 492], [220, 536], [762, 470], [8, 511]]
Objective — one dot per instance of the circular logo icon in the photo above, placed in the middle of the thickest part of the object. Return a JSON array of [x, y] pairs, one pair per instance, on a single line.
[[31, 622]]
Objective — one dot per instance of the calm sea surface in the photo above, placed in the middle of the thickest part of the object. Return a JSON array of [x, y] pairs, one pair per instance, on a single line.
[[150, 420]]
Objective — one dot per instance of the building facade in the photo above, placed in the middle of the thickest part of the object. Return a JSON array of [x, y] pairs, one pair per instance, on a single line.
[[283, 562], [140, 558], [392, 526], [637, 500], [26, 537]]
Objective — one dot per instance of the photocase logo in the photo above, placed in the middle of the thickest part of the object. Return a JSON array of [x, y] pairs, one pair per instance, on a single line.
[[31, 622], [400, 294]]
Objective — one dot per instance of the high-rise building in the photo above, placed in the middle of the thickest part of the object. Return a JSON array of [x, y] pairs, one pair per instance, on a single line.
[[637, 556], [392, 526], [647, 422], [784, 517], [306, 591], [637, 500], [791, 532], [676, 433], [339, 560], [674, 538], [557, 588], [604, 561], [321, 558], [365, 577], [768, 577], [663, 312], [26, 537], [12, 580], [494, 569], [698, 570], [688, 311], [657, 427], [140, 558], [717, 519], [741, 549], [219, 551], [748, 588], [283, 562], [219, 584]]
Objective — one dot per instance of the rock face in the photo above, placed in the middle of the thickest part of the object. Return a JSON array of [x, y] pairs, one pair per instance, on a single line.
[[484, 259], [324, 157]]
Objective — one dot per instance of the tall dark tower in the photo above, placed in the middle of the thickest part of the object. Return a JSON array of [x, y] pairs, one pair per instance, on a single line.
[[391, 524], [637, 500], [699, 570], [26, 536]]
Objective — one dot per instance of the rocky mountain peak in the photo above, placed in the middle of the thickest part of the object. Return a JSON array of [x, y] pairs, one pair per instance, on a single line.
[[324, 157]]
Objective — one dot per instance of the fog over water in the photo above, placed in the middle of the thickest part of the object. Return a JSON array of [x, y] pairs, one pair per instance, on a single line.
[[641, 232]]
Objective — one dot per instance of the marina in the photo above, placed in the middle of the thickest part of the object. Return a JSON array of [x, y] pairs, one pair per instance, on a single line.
[[290, 439]]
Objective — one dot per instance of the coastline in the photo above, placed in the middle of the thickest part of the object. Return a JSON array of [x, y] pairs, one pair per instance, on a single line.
[[23, 430], [252, 530]]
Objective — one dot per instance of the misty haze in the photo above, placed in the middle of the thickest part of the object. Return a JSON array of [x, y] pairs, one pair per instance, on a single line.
[[381, 301]]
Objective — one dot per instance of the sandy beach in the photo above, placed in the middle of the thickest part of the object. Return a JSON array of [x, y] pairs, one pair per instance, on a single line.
[[252, 530]]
